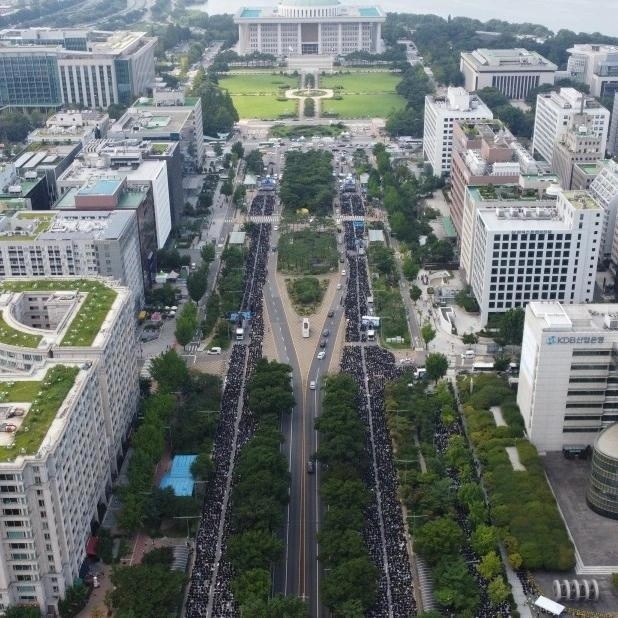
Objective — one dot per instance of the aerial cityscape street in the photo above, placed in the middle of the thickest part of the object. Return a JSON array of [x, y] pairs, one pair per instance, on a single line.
[[307, 309]]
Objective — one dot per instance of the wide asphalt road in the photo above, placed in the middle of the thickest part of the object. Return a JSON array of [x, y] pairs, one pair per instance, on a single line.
[[299, 574]]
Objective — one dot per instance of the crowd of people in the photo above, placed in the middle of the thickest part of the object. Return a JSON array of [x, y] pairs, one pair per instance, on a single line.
[[262, 204], [371, 367], [352, 204], [358, 290], [233, 432]]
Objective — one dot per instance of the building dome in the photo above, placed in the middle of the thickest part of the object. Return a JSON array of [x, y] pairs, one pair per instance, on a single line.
[[602, 496], [309, 8]]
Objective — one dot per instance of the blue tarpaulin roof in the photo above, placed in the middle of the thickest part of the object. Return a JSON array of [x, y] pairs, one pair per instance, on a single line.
[[179, 478]]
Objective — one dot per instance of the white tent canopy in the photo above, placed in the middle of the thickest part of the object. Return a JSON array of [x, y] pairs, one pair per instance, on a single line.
[[550, 606]]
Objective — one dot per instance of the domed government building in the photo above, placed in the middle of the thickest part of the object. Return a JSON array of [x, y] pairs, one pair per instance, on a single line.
[[310, 28]]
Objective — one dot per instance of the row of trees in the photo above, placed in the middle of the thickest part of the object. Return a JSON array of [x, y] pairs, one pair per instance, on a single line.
[[259, 496], [218, 111], [522, 505], [308, 181], [186, 323], [414, 86], [450, 519], [349, 588]]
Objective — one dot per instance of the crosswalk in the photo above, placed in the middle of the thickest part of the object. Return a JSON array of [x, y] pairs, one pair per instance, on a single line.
[[265, 218], [192, 347]]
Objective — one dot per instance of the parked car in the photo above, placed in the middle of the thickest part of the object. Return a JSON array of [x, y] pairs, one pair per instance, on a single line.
[[310, 467], [331, 313], [321, 354], [214, 350], [325, 332], [322, 343]]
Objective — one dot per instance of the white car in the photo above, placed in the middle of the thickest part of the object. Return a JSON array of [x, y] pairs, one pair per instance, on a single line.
[[312, 385], [275, 227], [343, 273], [321, 354], [339, 286]]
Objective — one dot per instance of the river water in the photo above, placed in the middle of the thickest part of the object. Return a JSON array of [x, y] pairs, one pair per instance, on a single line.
[[577, 15]]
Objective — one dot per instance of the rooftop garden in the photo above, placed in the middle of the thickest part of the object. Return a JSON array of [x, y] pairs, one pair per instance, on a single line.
[[505, 193], [43, 222], [86, 324], [16, 337], [45, 397]]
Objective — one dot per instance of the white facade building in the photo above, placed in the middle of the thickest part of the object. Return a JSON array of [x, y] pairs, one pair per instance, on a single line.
[[101, 160], [87, 244], [514, 72], [310, 27], [71, 126], [54, 487], [568, 376], [595, 65], [441, 114], [554, 113], [604, 189], [519, 250], [612, 140]]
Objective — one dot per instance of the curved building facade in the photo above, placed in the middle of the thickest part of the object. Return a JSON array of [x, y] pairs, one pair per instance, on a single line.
[[310, 27], [602, 496]]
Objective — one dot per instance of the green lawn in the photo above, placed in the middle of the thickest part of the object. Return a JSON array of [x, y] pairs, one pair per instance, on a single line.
[[362, 83], [259, 83], [87, 323], [46, 398], [363, 105], [307, 252], [263, 107], [16, 337]]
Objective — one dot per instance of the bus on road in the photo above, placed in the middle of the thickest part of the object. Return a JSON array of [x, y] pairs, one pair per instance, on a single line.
[[305, 327]]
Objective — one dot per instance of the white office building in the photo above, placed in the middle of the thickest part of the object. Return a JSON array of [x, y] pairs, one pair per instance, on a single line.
[[441, 114], [309, 28], [520, 248], [71, 126], [73, 243], [68, 426], [568, 376], [103, 160], [596, 65], [514, 72], [554, 114], [604, 189]]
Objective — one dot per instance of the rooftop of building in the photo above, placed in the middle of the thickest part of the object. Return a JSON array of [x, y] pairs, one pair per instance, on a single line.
[[69, 125], [578, 318], [40, 155], [97, 41], [146, 102], [607, 442], [24, 225], [343, 11], [460, 101], [582, 200], [52, 225], [156, 120], [128, 199], [571, 98], [88, 305], [32, 405], [501, 59], [503, 193], [486, 128], [592, 48]]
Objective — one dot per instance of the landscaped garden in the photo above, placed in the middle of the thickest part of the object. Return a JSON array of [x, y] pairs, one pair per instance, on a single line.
[[362, 94], [307, 252], [86, 325], [18, 338], [307, 131], [523, 507], [45, 398], [306, 293], [261, 95]]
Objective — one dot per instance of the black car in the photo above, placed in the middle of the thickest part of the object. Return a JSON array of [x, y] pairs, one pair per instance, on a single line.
[[322, 343], [331, 313], [310, 467]]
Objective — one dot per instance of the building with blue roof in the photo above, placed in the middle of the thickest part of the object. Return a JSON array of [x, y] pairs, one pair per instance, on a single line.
[[310, 27]]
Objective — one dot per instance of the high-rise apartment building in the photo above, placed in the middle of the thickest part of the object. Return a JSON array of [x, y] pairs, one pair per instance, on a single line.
[[596, 65], [554, 116], [73, 243], [514, 72], [441, 114], [568, 376], [579, 144], [612, 140], [604, 189], [519, 248], [71, 386], [44, 67], [309, 27]]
